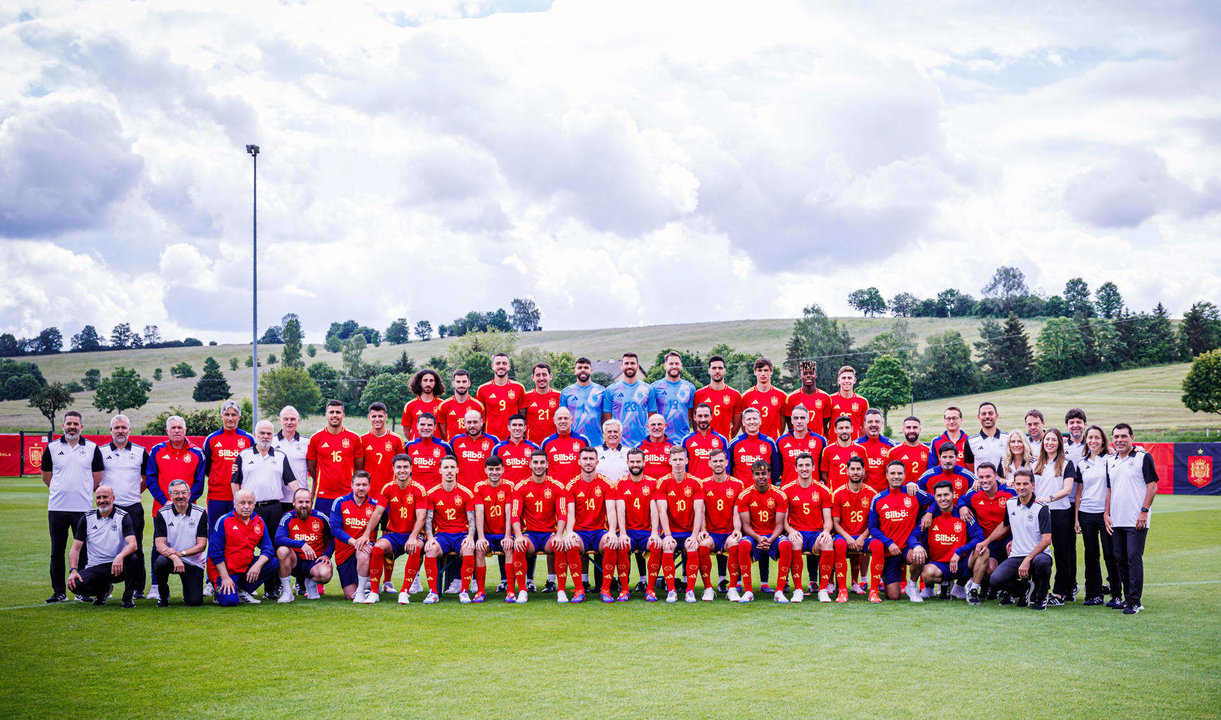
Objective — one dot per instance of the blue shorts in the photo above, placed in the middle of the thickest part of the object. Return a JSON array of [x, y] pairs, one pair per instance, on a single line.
[[758, 554], [718, 541], [347, 571], [680, 538], [944, 567], [539, 540], [495, 543], [303, 568], [398, 542], [450, 542], [996, 549], [892, 569], [639, 540], [808, 541], [322, 505], [591, 539]]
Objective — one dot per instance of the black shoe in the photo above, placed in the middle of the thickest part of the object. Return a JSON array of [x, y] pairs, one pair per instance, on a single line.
[[723, 586], [163, 602], [1022, 599], [1038, 603], [1116, 604], [1105, 589], [944, 592], [138, 595], [1132, 608], [503, 586], [550, 587], [1092, 601], [57, 598], [129, 603], [1053, 601], [100, 600], [680, 586], [1004, 598], [638, 587], [973, 597], [85, 598], [530, 587], [270, 594]]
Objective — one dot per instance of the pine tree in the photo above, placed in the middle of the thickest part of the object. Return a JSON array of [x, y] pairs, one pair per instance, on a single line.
[[212, 385]]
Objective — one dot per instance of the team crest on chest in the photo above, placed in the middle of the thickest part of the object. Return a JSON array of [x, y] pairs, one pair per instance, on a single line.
[[597, 492], [346, 443], [389, 446], [512, 394], [725, 400], [547, 493], [551, 403], [687, 492], [855, 407], [436, 452], [775, 401], [771, 503], [818, 404], [907, 502]]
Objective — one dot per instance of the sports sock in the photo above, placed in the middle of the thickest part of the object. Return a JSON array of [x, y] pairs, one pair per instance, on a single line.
[[481, 578], [610, 557], [574, 569], [841, 562], [744, 563], [798, 563], [705, 556], [826, 561], [734, 566], [430, 573], [693, 569], [856, 568], [376, 563], [722, 567], [667, 567], [877, 561], [785, 560], [520, 563], [561, 570], [625, 570], [654, 566], [412, 569], [468, 568]]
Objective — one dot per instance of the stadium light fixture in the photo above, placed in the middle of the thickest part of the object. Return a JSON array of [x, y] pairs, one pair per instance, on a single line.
[[253, 150]]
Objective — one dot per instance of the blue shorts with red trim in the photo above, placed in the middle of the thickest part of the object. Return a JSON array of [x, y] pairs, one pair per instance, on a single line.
[[450, 542], [591, 539], [539, 540], [639, 539], [718, 541]]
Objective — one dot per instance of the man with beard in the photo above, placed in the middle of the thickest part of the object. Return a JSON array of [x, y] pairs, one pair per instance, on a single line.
[[501, 397], [428, 388], [124, 464], [453, 411], [426, 453], [911, 452], [675, 399], [702, 442], [816, 402], [989, 445], [541, 405], [893, 519], [986, 505], [725, 402], [265, 473], [515, 451], [637, 520], [107, 539], [72, 468], [303, 547], [877, 450], [584, 400], [353, 529], [180, 536], [333, 456], [473, 447], [630, 401], [834, 465], [850, 518]]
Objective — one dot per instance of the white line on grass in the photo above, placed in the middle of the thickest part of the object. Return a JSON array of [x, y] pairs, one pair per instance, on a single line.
[[1190, 582]]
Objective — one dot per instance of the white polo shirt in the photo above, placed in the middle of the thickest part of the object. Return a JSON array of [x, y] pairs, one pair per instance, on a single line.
[[1028, 523], [294, 451], [612, 463], [72, 471], [264, 475], [122, 471], [1130, 477], [1048, 483], [989, 448], [1094, 480]]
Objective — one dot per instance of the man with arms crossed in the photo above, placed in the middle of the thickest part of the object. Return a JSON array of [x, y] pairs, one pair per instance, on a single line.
[[584, 400]]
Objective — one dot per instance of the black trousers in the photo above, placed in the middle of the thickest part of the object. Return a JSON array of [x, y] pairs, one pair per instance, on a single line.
[[136, 513], [1129, 547], [1064, 548], [271, 513], [192, 580], [1005, 576], [60, 523], [1094, 535], [98, 580]]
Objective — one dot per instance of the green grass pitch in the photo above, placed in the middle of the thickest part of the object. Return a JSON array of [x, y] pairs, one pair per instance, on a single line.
[[331, 659]]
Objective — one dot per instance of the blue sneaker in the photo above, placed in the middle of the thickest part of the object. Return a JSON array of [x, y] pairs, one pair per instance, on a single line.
[[607, 598], [579, 597]]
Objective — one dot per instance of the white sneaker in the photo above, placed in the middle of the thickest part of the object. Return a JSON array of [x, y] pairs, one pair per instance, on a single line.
[[464, 597], [798, 596], [561, 597], [455, 586], [780, 598], [431, 598], [388, 587], [959, 592], [404, 598], [246, 597], [311, 590], [912, 593], [416, 585], [910, 587], [358, 596], [371, 598], [747, 596], [155, 594], [732, 595], [690, 597], [857, 589], [824, 596], [207, 591], [286, 597], [709, 594], [927, 592], [521, 596], [672, 596]]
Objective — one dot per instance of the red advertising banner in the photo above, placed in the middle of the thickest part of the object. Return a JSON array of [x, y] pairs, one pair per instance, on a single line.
[[19, 454]]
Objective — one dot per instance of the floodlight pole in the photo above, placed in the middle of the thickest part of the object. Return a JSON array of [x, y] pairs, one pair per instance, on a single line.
[[254, 324]]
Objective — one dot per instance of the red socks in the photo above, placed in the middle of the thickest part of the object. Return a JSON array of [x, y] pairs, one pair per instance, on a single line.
[[519, 569], [733, 567], [826, 561], [625, 571], [841, 562], [705, 558], [744, 551], [784, 559], [574, 569], [376, 560], [667, 567], [654, 567], [561, 570], [468, 569], [430, 572], [610, 559], [481, 578], [413, 569], [877, 559]]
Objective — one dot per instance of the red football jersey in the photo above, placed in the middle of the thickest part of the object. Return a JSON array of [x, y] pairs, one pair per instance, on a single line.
[[538, 506], [945, 536], [818, 404], [379, 459], [588, 499], [242, 539], [449, 509], [699, 445], [854, 407], [762, 507], [412, 412], [516, 459], [314, 531], [540, 414], [806, 505], [426, 456], [656, 458], [220, 450], [720, 504], [637, 497], [680, 500], [471, 453], [562, 453], [835, 463], [401, 503], [898, 516], [915, 460], [501, 401], [355, 519], [494, 500], [451, 415], [852, 508], [725, 404], [877, 454], [771, 408], [791, 447], [745, 451], [336, 455], [989, 512]]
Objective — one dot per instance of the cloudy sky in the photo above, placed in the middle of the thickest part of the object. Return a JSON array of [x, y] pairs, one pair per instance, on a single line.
[[621, 163]]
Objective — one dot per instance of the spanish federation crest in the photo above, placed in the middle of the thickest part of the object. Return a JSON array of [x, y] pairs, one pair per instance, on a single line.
[[725, 400], [512, 394], [547, 493], [436, 452], [389, 446], [551, 404], [346, 443], [771, 503], [907, 501], [855, 407], [775, 401], [687, 492], [1199, 470]]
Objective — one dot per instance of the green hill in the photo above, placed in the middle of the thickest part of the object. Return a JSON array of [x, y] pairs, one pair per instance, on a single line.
[[1149, 397]]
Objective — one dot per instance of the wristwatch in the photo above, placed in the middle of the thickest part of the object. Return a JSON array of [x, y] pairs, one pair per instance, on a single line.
[[1144, 509]]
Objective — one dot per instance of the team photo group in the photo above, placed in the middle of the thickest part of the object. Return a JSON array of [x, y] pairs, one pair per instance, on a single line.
[[702, 491]]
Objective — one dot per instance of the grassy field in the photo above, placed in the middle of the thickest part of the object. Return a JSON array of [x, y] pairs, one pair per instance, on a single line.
[[329, 658]]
